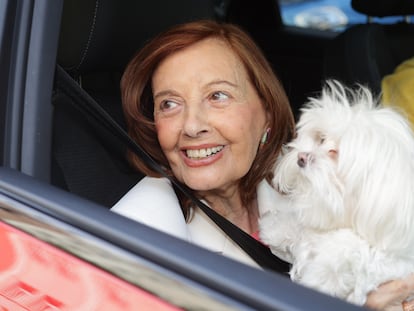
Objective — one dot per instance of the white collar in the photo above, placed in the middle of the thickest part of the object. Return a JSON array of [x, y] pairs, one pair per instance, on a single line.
[[153, 202]]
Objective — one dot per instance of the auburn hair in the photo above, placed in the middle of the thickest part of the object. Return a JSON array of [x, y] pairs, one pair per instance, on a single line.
[[138, 103]]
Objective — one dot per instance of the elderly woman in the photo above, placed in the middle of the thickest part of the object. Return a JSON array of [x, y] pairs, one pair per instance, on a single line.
[[202, 100]]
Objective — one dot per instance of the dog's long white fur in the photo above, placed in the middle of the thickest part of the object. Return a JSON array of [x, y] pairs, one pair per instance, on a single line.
[[348, 222]]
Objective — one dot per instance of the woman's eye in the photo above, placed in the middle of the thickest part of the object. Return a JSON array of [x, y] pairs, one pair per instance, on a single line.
[[219, 96], [167, 105]]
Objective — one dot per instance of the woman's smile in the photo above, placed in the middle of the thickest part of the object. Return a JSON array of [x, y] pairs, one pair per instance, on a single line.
[[197, 156], [203, 152]]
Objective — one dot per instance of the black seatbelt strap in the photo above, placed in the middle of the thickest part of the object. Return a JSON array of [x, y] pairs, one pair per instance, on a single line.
[[91, 109]]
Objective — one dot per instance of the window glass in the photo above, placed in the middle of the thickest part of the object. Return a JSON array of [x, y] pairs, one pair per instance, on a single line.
[[333, 15]]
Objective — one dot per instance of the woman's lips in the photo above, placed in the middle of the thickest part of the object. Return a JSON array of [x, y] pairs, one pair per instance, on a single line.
[[201, 156], [202, 152]]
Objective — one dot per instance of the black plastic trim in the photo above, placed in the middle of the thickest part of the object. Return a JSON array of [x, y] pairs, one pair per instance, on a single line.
[[37, 116]]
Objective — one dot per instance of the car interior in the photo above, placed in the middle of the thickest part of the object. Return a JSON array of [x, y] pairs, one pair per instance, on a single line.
[[95, 46], [365, 53]]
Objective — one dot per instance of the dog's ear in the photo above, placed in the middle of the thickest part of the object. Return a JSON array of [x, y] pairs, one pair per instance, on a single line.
[[376, 162]]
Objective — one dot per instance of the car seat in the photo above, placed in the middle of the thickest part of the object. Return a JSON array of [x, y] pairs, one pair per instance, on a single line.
[[98, 37], [365, 53]]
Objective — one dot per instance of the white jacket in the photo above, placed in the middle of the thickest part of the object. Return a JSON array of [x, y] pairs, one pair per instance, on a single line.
[[153, 202]]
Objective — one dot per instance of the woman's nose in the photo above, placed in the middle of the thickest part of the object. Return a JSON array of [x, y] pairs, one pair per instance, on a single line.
[[195, 122]]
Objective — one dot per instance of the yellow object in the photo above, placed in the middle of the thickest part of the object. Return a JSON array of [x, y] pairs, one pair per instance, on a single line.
[[398, 89]]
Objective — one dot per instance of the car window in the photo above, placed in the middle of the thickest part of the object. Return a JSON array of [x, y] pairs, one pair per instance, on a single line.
[[329, 15]]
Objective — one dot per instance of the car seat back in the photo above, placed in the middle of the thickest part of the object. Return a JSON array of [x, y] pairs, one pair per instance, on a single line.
[[365, 53]]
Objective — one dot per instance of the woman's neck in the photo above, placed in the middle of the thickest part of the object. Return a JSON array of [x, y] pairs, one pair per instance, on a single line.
[[231, 207]]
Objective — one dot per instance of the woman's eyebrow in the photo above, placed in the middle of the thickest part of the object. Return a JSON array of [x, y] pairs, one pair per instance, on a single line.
[[164, 93], [218, 82], [169, 92]]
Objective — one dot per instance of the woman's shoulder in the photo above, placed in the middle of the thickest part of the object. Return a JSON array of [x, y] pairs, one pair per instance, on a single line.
[[147, 191], [152, 201]]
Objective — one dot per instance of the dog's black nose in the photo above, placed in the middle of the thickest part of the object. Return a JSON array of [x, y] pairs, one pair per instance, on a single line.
[[303, 159]]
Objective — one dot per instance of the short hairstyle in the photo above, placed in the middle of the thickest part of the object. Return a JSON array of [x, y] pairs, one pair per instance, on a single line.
[[139, 107]]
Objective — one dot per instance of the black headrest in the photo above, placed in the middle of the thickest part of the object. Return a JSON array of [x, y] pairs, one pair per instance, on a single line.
[[382, 8], [102, 35]]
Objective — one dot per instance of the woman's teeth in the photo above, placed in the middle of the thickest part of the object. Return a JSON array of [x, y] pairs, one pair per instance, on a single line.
[[203, 153]]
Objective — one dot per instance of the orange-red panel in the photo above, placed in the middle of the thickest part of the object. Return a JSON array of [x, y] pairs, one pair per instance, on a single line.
[[37, 276]]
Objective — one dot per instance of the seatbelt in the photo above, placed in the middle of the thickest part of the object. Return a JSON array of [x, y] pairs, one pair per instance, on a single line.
[[89, 107]]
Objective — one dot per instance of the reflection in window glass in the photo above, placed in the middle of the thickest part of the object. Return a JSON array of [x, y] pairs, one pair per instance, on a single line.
[[333, 15]]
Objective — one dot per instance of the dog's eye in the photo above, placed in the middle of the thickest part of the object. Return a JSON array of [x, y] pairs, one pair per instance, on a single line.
[[286, 148], [319, 138]]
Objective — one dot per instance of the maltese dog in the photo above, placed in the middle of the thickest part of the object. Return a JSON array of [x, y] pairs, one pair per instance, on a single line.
[[346, 216]]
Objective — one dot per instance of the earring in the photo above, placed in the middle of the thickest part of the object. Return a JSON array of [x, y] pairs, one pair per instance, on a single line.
[[265, 137]]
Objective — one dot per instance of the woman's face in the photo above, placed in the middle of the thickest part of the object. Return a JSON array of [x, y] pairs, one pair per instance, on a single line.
[[209, 118]]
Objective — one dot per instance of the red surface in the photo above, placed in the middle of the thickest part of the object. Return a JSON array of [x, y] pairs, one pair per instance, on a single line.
[[37, 276]]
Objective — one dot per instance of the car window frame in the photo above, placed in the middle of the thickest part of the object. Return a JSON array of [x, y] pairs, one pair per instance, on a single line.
[[29, 46], [41, 63], [12, 68]]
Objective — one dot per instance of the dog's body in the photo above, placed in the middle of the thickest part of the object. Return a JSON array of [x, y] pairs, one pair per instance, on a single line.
[[348, 179]]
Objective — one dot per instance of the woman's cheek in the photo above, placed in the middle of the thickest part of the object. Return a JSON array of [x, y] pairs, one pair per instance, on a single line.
[[166, 135]]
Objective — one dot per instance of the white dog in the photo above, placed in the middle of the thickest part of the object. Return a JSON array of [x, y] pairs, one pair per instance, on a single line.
[[348, 181]]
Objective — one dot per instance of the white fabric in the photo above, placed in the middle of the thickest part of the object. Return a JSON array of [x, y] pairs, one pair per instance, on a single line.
[[153, 202]]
